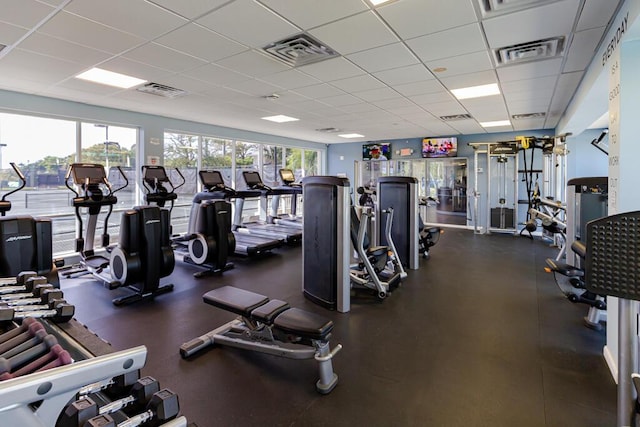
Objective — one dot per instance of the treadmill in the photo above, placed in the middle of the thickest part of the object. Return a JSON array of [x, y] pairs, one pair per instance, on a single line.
[[215, 189], [293, 189], [293, 234]]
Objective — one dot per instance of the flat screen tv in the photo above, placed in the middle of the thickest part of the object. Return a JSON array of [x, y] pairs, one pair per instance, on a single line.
[[440, 147], [376, 151]]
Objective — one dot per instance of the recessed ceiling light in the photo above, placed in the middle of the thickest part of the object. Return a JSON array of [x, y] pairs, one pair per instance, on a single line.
[[379, 2], [280, 119], [109, 78], [351, 135], [476, 91], [495, 123], [439, 69]]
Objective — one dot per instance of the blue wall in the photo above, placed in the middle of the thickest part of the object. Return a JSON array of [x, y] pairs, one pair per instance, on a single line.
[[584, 159]]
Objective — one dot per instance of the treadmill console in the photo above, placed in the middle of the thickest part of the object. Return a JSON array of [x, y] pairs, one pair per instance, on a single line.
[[288, 178], [211, 178], [252, 179]]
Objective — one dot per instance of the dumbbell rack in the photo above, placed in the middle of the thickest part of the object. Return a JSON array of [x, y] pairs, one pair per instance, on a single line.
[[38, 399]]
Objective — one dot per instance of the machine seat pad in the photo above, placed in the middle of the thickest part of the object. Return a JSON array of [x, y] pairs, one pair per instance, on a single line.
[[267, 312], [235, 300], [579, 248], [377, 250], [564, 269], [432, 230], [304, 323]]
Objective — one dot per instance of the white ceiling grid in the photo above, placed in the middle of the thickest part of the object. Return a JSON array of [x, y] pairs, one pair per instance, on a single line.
[[392, 79]]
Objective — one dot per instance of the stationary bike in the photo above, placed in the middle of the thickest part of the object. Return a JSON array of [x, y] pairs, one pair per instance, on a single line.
[[143, 254]]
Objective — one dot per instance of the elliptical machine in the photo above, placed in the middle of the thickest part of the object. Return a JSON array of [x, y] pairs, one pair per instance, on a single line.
[[209, 239], [26, 243], [143, 254]]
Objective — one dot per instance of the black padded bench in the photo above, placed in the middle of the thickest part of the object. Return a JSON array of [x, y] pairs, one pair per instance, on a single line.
[[272, 312], [270, 326]]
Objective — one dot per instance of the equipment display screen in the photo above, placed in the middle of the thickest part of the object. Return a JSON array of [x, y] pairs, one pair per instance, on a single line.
[[287, 175], [252, 178], [153, 173], [211, 178], [94, 172]]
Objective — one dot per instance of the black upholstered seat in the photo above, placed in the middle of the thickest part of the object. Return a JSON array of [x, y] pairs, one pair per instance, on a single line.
[[303, 323], [565, 269], [235, 300], [267, 312]]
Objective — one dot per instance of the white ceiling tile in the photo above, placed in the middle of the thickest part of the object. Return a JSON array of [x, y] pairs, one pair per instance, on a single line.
[[27, 14], [412, 18], [311, 13], [411, 110], [289, 97], [419, 88], [488, 108], [290, 79], [125, 15], [63, 49], [341, 37], [394, 103], [359, 108], [319, 91], [430, 98], [215, 74], [377, 94], [409, 74], [341, 100], [17, 83], [383, 58], [446, 108], [467, 80], [254, 87], [163, 57], [530, 85], [463, 64], [9, 34], [221, 94], [259, 27], [358, 83], [190, 9], [26, 65], [466, 126], [197, 41], [582, 49], [524, 92], [528, 124], [253, 64], [72, 94], [567, 84], [88, 87], [332, 69], [135, 69], [74, 28], [441, 129], [448, 43], [186, 83], [527, 106], [530, 70], [521, 27], [596, 13]]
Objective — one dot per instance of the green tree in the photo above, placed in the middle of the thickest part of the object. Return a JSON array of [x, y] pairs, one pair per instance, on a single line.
[[180, 151], [246, 153]]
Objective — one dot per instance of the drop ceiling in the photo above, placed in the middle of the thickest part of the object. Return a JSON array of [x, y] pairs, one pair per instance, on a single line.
[[391, 79]]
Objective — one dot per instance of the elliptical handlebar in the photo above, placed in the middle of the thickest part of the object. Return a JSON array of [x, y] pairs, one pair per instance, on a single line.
[[181, 177], [23, 181], [126, 182], [66, 180]]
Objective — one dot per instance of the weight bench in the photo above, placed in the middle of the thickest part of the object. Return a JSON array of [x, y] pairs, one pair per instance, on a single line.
[[268, 326]]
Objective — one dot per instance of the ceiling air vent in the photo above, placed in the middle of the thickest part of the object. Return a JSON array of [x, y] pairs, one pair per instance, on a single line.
[[2, 47], [530, 51], [162, 90], [528, 116], [498, 7], [455, 117], [329, 130], [301, 49]]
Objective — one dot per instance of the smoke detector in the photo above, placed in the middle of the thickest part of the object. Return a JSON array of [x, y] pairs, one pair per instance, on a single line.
[[301, 49], [162, 90]]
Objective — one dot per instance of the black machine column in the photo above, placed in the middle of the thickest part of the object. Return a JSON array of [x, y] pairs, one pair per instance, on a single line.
[[401, 194], [325, 243]]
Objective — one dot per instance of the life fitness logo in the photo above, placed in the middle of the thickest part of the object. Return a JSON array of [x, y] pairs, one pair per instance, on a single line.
[[152, 221], [18, 238]]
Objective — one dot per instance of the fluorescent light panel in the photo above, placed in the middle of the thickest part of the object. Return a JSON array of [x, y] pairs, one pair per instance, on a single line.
[[280, 119], [351, 135], [379, 2], [476, 91], [109, 78], [495, 123]]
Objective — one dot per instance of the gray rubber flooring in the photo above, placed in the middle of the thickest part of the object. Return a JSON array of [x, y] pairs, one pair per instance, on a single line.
[[478, 336]]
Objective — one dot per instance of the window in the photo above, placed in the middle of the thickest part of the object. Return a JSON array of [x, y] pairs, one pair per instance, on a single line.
[[311, 162], [271, 164], [247, 158], [218, 154], [293, 161]]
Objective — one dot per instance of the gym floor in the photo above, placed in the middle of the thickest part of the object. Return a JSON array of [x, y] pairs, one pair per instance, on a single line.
[[480, 335]]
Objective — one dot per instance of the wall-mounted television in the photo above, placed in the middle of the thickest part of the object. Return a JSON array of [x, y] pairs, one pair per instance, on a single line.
[[440, 147], [376, 151]]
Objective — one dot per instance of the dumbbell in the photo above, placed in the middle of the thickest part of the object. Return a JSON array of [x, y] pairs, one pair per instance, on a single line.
[[36, 293], [18, 280], [57, 310], [115, 387], [57, 356], [163, 406], [8, 364], [12, 333], [85, 408], [25, 281], [26, 333], [40, 301]]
